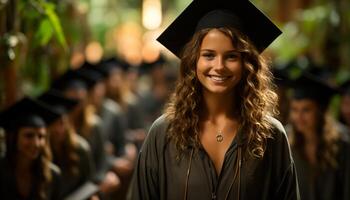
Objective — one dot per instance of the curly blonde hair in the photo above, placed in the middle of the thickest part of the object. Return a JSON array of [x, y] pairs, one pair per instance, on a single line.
[[256, 100]]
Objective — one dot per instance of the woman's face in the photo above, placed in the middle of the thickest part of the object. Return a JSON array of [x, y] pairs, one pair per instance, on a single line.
[[97, 94], [345, 108], [303, 114], [31, 141], [58, 131], [219, 67]]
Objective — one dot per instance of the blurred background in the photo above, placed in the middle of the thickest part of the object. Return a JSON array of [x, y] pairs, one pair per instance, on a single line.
[[40, 39], [56, 43]]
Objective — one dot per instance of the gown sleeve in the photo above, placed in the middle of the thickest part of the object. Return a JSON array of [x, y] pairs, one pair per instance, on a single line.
[[285, 177], [145, 181]]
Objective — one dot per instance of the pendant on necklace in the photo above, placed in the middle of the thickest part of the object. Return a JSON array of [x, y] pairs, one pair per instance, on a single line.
[[219, 137]]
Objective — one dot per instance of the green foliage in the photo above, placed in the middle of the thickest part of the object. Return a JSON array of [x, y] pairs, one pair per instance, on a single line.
[[45, 32], [43, 13]]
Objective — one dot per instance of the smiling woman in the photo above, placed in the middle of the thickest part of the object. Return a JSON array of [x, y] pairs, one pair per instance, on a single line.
[[217, 138], [26, 172]]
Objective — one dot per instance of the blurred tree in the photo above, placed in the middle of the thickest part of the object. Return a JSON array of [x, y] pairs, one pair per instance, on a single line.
[[26, 29]]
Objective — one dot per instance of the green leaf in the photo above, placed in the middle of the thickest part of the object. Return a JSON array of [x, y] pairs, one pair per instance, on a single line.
[[45, 32], [55, 23]]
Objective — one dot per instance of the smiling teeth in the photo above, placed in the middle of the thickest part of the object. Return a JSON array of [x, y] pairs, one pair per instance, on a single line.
[[219, 78]]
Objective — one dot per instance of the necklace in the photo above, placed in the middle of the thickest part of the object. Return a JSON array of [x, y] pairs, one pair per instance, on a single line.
[[219, 137]]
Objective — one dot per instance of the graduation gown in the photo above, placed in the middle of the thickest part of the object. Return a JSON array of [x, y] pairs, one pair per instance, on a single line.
[[159, 175], [72, 183], [327, 184], [8, 186]]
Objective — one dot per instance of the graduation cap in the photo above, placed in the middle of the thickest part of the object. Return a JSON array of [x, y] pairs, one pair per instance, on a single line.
[[308, 86], [146, 67], [109, 64], [89, 77], [27, 113], [202, 14], [281, 76], [57, 101], [71, 79]]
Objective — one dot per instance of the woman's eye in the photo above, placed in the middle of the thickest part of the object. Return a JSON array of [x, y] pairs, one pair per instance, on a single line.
[[208, 55], [233, 56]]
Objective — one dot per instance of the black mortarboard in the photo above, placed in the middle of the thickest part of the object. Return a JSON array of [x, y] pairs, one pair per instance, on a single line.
[[281, 76], [27, 113], [114, 62], [146, 67], [97, 67], [308, 86], [57, 101], [201, 14], [71, 79], [89, 76]]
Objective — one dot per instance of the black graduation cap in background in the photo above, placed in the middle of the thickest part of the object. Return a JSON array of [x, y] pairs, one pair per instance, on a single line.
[[309, 86], [27, 113], [89, 76], [71, 79], [97, 67], [146, 67], [201, 14], [281, 76], [107, 65], [57, 101]]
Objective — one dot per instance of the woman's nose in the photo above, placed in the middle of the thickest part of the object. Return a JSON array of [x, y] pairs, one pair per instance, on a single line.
[[220, 62]]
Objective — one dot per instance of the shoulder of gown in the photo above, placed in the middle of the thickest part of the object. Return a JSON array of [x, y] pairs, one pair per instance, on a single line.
[[279, 153]]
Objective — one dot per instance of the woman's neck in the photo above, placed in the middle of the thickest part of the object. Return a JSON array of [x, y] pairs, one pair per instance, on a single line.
[[218, 106]]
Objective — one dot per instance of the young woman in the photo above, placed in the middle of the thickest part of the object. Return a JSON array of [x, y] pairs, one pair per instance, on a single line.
[[79, 85], [320, 147], [26, 172], [70, 151], [217, 138]]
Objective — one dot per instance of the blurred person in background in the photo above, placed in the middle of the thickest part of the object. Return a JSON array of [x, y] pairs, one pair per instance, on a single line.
[[154, 98], [122, 152], [71, 152], [320, 148], [77, 84], [26, 172], [121, 91]]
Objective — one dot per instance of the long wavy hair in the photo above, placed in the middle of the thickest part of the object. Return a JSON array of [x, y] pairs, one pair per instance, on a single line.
[[255, 100], [328, 136], [66, 155], [41, 171]]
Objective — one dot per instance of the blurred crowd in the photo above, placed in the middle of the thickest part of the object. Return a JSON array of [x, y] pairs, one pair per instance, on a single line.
[[80, 139], [82, 136]]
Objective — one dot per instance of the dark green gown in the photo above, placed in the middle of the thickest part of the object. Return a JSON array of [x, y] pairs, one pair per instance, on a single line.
[[159, 175]]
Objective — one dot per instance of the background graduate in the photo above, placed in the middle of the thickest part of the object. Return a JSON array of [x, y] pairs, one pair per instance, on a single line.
[[320, 146], [26, 172]]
